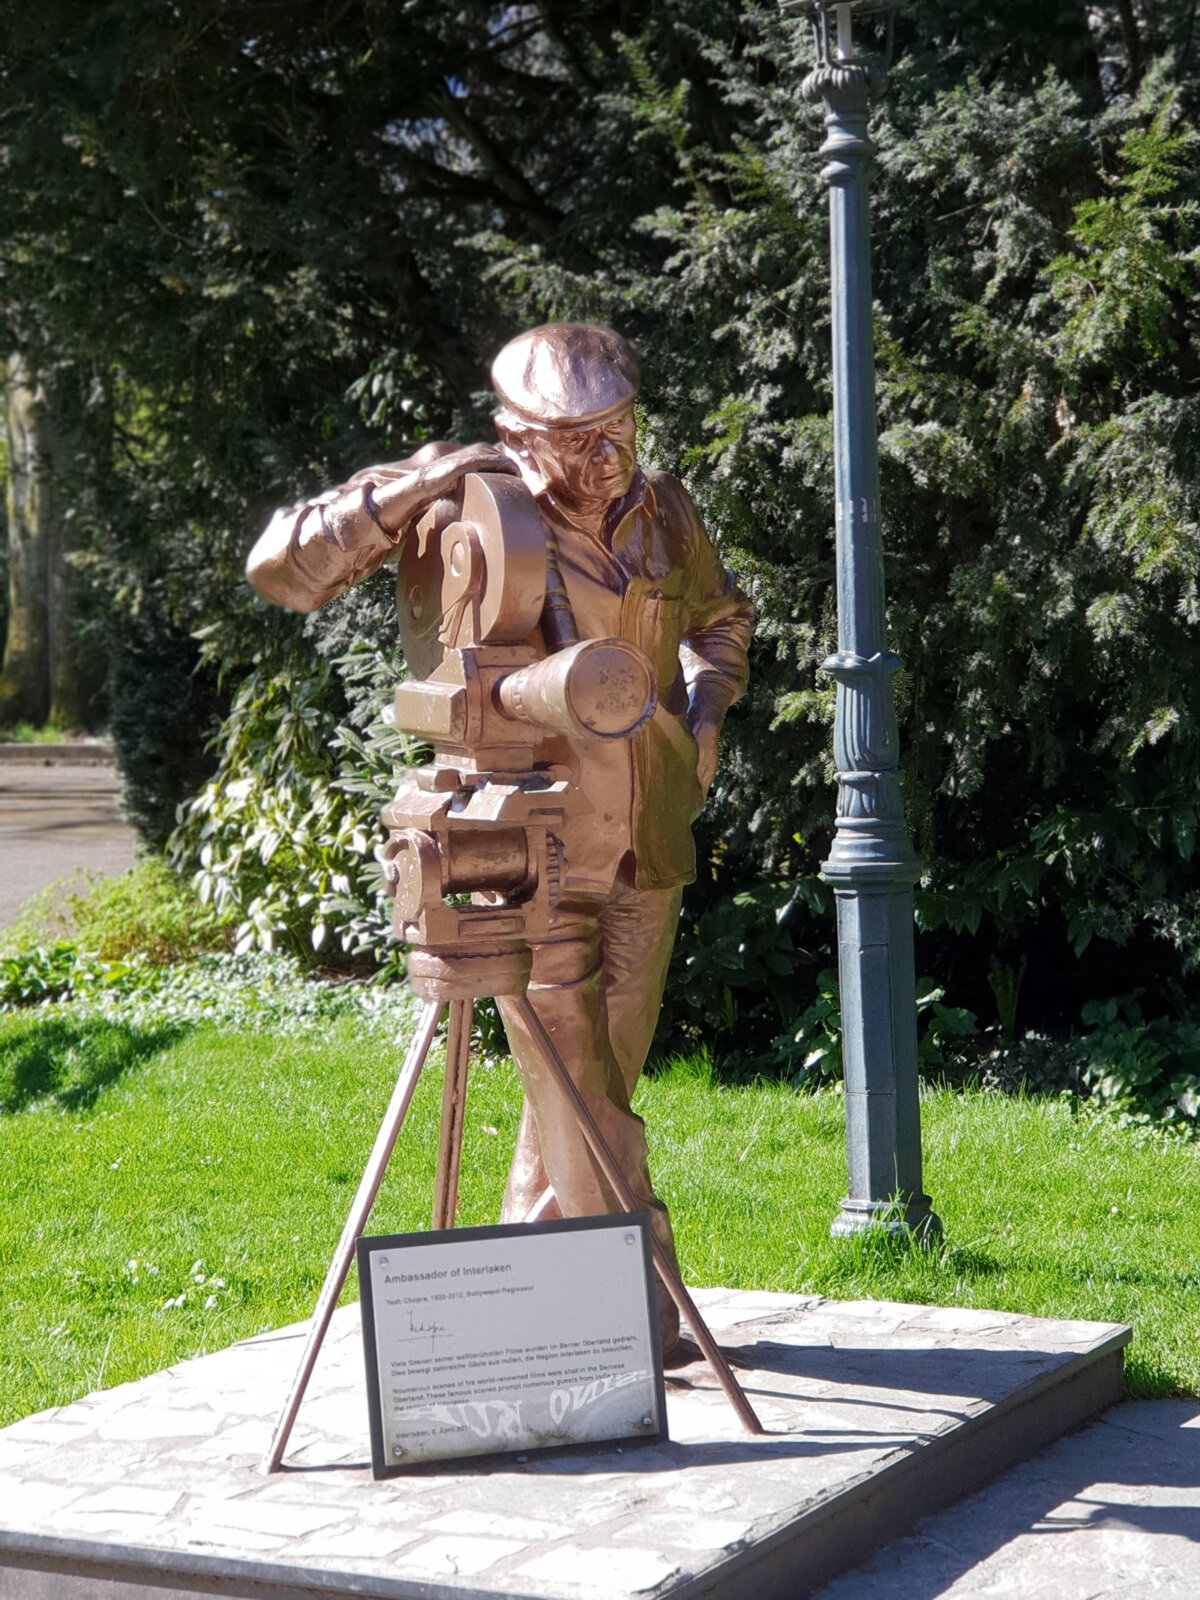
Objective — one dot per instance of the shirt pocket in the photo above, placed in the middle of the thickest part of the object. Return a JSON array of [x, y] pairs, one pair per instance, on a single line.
[[652, 618]]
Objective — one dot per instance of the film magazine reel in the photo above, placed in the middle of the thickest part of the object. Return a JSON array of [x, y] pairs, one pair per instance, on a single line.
[[472, 859]]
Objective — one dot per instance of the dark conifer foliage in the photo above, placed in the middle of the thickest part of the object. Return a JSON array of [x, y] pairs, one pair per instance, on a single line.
[[267, 243]]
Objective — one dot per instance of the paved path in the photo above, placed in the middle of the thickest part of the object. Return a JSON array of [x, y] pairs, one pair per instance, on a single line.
[[1111, 1513], [54, 820]]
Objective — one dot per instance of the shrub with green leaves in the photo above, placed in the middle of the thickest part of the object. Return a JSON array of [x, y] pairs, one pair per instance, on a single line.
[[39, 973], [253, 993], [150, 911], [284, 836], [1147, 1071]]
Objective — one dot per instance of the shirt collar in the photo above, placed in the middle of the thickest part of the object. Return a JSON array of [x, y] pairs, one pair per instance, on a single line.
[[639, 493]]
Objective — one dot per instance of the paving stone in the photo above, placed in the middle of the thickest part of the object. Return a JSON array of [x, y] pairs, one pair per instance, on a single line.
[[526, 1530], [31, 1502], [687, 1532], [264, 1515], [114, 1527], [358, 1544], [577, 1571], [214, 1538], [459, 1557], [125, 1497], [867, 1405], [46, 1429], [700, 1499], [149, 1422]]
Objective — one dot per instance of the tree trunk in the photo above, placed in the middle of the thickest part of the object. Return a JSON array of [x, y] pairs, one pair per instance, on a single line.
[[39, 679], [72, 690], [25, 674], [1132, 41]]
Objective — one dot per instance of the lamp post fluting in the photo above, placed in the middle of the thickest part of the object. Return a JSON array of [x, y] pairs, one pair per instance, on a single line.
[[872, 865]]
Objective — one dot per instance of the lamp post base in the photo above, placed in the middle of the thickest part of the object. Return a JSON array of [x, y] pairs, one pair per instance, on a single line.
[[911, 1216]]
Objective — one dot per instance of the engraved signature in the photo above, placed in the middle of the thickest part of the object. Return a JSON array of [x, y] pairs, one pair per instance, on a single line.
[[423, 1330], [486, 1419]]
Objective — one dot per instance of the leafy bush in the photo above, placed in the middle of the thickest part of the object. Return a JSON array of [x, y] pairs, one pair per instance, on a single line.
[[286, 831], [1146, 1071], [810, 1053], [1036, 223], [40, 973], [165, 705], [149, 911], [731, 980], [813, 1050]]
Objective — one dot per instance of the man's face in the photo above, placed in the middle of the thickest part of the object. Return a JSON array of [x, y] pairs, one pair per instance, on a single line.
[[582, 466]]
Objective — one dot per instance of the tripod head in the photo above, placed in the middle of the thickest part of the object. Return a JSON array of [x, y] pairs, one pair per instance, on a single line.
[[473, 858]]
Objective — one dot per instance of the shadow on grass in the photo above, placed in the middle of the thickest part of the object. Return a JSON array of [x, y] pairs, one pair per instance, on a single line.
[[1111, 1274], [878, 1251], [69, 1062]]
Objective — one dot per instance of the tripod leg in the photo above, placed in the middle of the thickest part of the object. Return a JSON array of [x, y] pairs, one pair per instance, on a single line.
[[368, 1188], [671, 1280], [454, 1099]]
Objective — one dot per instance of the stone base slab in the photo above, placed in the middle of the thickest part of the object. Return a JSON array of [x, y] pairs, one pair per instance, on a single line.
[[876, 1414]]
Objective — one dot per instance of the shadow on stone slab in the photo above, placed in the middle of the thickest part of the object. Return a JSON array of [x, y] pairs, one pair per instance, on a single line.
[[1113, 1475], [983, 1373]]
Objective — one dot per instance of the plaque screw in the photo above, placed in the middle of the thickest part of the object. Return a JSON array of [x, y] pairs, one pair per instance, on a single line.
[[629, 1238], [647, 1422], [397, 1449]]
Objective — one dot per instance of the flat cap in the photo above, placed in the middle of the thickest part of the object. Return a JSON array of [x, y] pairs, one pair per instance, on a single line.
[[566, 374]]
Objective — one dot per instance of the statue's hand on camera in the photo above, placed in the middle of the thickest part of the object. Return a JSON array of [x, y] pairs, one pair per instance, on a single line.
[[402, 493]]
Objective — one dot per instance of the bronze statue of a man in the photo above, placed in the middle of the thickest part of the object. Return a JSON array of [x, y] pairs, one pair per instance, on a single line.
[[628, 558]]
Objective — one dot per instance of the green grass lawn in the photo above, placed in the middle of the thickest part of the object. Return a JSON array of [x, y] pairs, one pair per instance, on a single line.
[[167, 1190]]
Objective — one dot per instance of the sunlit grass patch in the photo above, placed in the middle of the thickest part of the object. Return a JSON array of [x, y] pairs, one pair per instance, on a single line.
[[1047, 1210], [170, 1186]]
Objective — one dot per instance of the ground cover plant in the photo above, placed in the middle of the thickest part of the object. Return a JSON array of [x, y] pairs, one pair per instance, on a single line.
[[170, 1184], [28, 733], [150, 911]]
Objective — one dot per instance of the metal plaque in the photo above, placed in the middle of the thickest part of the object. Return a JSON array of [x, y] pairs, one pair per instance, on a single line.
[[490, 1341]]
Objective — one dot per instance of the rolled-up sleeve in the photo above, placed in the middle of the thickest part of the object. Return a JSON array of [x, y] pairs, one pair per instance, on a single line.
[[310, 553]]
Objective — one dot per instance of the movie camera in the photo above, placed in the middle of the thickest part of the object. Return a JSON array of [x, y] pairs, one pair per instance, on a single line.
[[472, 859]]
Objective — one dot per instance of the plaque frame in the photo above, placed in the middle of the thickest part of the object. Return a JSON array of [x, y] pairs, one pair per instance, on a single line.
[[381, 1466]]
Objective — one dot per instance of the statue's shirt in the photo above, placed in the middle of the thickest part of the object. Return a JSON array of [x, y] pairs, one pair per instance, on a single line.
[[647, 572]]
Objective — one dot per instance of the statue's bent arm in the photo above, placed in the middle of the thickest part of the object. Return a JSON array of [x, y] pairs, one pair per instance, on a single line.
[[310, 553], [718, 627]]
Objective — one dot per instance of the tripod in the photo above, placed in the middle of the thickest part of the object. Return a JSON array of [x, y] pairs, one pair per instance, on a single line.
[[458, 1040]]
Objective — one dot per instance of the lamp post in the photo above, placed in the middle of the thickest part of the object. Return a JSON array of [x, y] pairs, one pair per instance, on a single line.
[[871, 865]]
